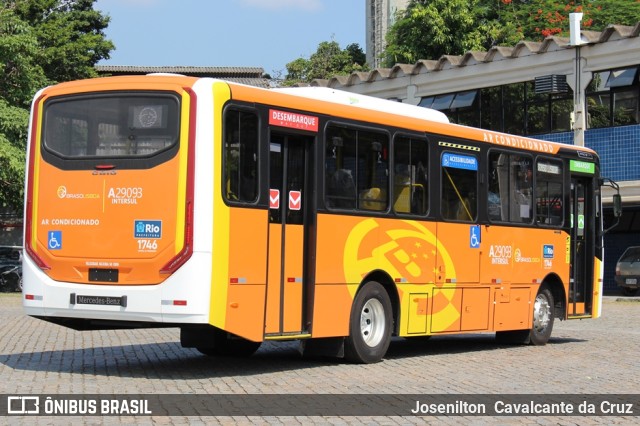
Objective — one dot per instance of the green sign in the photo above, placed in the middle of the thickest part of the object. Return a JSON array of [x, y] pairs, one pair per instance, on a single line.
[[582, 167]]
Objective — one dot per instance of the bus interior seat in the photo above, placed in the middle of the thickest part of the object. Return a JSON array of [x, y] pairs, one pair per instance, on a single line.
[[341, 189], [373, 199]]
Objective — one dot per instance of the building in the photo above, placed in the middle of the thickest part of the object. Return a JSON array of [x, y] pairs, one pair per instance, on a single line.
[[380, 17], [253, 76], [582, 90]]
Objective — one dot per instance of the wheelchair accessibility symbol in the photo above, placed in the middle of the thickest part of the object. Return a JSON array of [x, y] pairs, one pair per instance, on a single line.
[[474, 236], [55, 240]]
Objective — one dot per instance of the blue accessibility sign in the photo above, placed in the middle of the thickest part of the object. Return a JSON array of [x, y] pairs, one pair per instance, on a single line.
[[54, 240], [459, 161], [474, 236]]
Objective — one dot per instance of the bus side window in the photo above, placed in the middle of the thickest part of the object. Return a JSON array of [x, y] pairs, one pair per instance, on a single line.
[[410, 176], [459, 186], [373, 171], [522, 189], [356, 169], [340, 186], [240, 156], [549, 208], [497, 197]]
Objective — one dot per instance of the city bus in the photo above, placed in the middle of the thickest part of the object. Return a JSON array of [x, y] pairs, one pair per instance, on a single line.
[[242, 215]]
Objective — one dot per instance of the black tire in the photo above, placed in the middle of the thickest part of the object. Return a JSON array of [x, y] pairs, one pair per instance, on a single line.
[[370, 325], [14, 281], [6, 283], [629, 291], [226, 344], [543, 315]]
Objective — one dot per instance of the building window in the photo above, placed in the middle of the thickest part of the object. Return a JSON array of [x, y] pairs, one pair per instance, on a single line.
[[612, 98], [461, 107], [512, 108]]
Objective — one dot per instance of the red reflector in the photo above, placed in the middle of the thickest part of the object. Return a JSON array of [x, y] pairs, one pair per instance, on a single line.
[[29, 297], [398, 280], [179, 303], [104, 166], [291, 280], [234, 281]]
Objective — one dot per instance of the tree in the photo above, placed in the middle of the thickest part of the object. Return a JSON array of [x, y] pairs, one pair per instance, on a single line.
[[41, 42], [428, 29], [70, 33], [543, 18], [21, 74], [329, 60], [19, 61]]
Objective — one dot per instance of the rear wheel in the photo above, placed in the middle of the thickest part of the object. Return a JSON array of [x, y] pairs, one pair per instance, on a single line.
[[370, 325]]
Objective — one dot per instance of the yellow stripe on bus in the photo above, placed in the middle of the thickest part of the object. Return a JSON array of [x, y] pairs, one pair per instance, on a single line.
[[36, 179], [221, 219]]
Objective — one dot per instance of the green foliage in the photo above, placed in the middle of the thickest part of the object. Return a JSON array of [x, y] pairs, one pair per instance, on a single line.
[[19, 61], [41, 42], [13, 137], [428, 29], [329, 60], [543, 18], [71, 35]]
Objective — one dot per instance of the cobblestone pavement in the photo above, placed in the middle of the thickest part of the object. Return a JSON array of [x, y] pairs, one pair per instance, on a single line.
[[583, 357]]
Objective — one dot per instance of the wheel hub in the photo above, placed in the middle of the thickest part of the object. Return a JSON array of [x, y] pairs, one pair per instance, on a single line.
[[372, 322], [541, 313]]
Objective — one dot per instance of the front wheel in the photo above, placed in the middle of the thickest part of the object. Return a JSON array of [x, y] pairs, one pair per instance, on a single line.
[[369, 325], [540, 332], [543, 314]]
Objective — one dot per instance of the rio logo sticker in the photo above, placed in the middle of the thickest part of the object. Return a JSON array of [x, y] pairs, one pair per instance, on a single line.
[[147, 229]]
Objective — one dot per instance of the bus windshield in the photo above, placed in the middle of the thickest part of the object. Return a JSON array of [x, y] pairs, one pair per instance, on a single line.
[[115, 125]]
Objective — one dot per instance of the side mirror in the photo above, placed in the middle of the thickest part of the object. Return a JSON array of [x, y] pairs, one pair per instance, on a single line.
[[617, 205], [617, 202]]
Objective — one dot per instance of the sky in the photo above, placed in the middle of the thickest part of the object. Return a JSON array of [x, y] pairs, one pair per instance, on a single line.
[[228, 33]]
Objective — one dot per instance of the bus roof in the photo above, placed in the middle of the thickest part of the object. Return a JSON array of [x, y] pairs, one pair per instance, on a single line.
[[340, 98], [367, 102]]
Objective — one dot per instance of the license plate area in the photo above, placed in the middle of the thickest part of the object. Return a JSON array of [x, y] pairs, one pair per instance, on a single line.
[[632, 281], [103, 275], [81, 299]]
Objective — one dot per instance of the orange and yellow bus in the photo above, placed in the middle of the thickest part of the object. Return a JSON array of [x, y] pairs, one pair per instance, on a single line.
[[242, 215]]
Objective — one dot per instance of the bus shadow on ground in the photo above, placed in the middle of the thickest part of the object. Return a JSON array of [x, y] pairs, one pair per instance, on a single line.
[[171, 361], [455, 344]]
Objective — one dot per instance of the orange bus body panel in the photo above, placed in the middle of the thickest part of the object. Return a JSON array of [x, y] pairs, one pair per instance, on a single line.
[[95, 211]]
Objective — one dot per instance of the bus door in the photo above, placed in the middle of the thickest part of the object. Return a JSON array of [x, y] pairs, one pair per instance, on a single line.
[[289, 198], [582, 246]]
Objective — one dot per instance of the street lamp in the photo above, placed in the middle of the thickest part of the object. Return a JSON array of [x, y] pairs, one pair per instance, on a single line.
[[579, 113]]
